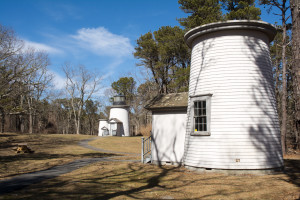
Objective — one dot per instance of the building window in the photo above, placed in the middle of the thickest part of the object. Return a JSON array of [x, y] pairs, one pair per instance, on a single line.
[[200, 118], [200, 110]]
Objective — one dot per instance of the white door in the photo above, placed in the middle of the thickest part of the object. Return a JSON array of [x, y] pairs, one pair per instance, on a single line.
[[113, 129]]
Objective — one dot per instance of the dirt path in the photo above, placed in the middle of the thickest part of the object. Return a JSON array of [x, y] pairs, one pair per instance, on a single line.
[[21, 181]]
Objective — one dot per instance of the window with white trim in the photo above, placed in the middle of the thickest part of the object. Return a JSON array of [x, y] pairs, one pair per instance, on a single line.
[[200, 110], [200, 118]]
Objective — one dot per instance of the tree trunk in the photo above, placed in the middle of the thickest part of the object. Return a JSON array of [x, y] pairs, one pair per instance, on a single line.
[[30, 129], [76, 126], [295, 7], [277, 85], [2, 120], [22, 125], [78, 121], [284, 84], [283, 101]]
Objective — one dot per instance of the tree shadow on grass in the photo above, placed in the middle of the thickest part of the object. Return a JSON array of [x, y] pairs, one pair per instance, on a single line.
[[7, 135], [292, 169], [45, 156], [133, 182], [28, 159], [107, 180], [36, 141]]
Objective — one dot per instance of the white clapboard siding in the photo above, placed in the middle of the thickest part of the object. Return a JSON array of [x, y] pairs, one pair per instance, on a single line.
[[235, 67]]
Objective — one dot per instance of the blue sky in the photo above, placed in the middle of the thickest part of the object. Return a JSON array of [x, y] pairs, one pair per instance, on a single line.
[[99, 34]]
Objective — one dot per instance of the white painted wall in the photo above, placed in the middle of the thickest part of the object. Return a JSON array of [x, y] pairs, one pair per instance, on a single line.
[[102, 123], [234, 66], [122, 114], [168, 133], [113, 128]]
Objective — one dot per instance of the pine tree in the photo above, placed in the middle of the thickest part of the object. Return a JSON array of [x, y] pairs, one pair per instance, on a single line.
[[165, 54], [241, 9], [201, 12]]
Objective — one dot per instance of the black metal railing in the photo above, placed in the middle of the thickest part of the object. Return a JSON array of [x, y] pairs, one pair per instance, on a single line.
[[146, 149]]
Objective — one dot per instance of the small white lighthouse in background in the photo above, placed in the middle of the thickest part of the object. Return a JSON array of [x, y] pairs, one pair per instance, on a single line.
[[119, 117]]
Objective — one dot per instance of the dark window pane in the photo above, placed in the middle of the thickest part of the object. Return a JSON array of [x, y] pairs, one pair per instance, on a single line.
[[204, 112], [205, 127], [196, 123], [201, 127], [204, 104], [201, 119]]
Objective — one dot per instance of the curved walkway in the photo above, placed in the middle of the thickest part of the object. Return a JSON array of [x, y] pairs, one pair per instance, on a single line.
[[25, 180]]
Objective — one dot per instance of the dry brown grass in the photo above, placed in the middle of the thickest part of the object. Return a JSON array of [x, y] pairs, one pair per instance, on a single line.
[[119, 144], [146, 130], [125, 180], [50, 150], [110, 180]]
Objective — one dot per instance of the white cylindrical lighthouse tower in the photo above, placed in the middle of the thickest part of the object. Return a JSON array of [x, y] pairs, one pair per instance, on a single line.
[[120, 111], [232, 117]]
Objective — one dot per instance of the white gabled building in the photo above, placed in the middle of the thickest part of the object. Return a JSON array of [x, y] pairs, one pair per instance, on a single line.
[[168, 127], [232, 121], [103, 127]]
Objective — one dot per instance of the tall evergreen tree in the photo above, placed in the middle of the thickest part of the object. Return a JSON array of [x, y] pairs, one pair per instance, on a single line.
[[241, 9], [201, 12], [208, 11], [165, 54], [125, 86]]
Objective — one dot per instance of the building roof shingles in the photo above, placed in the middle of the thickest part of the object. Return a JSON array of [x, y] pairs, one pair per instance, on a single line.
[[172, 100]]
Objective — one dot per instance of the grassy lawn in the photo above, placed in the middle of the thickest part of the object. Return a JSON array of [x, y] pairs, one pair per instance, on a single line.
[[126, 180], [50, 150], [119, 144], [107, 180]]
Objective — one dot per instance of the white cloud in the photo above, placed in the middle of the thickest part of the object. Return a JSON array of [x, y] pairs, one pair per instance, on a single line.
[[42, 47], [58, 81], [102, 42]]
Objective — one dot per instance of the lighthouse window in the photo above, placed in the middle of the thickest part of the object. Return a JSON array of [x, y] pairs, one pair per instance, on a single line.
[[200, 115], [200, 119]]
